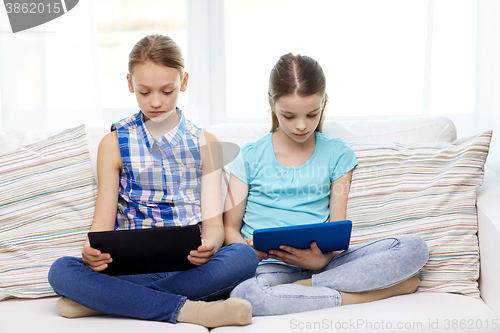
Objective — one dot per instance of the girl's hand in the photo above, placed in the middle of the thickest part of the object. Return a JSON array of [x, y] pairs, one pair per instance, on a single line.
[[260, 254], [94, 259], [203, 253], [311, 258]]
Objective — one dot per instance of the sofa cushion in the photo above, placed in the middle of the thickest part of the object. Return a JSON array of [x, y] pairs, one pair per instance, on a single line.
[[11, 139], [43, 317], [415, 313], [425, 189], [46, 208]]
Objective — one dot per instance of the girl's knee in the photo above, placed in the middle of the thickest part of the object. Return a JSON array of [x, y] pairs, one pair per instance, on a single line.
[[58, 266], [246, 257], [59, 272], [247, 290], [417, 248], [245, 251]]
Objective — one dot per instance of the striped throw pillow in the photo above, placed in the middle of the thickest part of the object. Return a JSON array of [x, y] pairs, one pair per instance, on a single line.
[[428, 190], [47, 202]]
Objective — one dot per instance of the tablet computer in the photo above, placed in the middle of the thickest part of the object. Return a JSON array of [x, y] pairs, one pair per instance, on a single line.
[[152, 250], [330, 236]]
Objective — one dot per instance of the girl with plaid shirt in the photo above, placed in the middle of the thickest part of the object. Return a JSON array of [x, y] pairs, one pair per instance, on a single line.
[[156, 169]]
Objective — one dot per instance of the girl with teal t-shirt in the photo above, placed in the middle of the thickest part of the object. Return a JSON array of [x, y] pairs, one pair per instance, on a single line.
[[297, 175]]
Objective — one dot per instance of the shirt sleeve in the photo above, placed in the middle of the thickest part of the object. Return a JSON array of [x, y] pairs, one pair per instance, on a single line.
[[344, 159], [238, 166]]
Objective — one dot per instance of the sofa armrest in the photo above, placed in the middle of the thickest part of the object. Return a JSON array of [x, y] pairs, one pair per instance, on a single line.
[[488, 210]]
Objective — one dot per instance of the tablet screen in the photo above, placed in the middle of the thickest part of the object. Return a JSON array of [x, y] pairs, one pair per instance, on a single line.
[[330, 236], [152, 250]]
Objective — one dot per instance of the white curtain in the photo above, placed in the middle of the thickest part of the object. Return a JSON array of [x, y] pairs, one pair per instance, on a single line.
[[48, 74], [380, 57]]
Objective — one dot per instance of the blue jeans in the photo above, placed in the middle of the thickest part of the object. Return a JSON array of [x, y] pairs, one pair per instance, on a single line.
[[370, 266], [156, 297]]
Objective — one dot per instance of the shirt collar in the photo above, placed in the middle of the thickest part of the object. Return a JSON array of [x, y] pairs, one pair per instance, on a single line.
[[175, 135], [170, 139]]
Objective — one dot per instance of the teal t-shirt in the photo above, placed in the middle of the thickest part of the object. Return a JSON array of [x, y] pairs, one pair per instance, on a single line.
[[281, 196]]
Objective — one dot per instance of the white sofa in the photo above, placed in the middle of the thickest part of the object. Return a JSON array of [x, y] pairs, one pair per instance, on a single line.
[[419, 312]]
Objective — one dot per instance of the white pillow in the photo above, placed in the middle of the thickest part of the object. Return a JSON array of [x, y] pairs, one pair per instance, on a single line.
[[46, 209], [429, 190], [402, 130]]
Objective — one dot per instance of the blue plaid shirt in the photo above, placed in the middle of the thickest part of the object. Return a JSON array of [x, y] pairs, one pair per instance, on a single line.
[[161, 180]]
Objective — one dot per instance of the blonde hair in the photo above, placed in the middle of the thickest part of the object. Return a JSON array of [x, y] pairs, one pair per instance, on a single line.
[[159, 49], [297, 74]]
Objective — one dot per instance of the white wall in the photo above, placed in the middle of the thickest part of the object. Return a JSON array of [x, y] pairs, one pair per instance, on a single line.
[[487, 106], [488, 76]]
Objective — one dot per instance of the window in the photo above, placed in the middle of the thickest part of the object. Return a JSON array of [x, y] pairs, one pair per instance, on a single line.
[[453, 64], [380, 58], [120, 24], [48, 73]]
